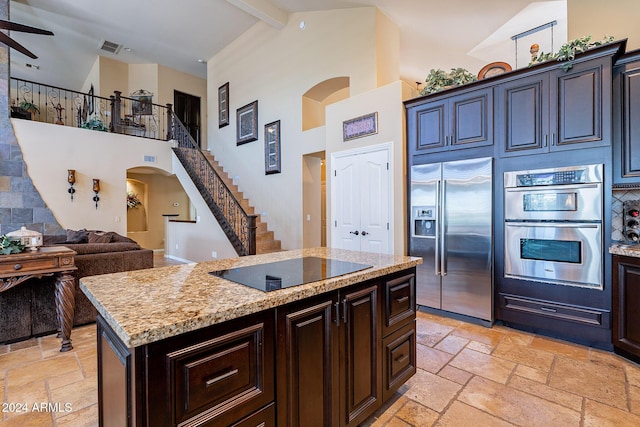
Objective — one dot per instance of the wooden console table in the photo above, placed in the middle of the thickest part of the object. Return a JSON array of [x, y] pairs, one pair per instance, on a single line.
[[47, 261]]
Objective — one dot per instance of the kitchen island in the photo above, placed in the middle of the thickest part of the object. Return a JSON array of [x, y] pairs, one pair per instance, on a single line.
[[180, 346]]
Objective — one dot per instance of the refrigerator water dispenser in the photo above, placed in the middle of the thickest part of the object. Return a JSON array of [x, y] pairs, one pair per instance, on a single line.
[[424, 221]]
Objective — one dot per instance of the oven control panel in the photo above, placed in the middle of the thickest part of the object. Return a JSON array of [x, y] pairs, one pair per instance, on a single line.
[[575, 176]]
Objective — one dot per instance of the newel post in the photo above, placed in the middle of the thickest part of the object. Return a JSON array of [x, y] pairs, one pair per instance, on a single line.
[[116, 104], [169, 123]]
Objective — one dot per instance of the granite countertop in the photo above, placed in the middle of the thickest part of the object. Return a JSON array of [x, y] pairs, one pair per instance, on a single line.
[[625, 249], [149, 305]]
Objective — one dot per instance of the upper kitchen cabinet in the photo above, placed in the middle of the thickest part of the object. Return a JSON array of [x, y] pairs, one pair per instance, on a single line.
[[450, 122], [626, 116], [550, 110]]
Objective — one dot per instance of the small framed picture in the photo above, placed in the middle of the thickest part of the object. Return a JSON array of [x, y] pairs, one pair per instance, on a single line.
[[223, 105], [272, 148], [247, 123], [360, 126]]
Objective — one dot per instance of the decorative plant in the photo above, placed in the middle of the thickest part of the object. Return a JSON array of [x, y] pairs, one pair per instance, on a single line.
[[10, 246], [438, 80], [568, 51], [29, 106], [132, 200], [94, 124]]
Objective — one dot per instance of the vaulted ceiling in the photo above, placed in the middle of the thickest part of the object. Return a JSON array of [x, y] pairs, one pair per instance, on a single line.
[[433, 34]]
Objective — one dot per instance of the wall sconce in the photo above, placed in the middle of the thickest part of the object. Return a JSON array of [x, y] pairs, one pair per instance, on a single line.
[[71, 179], [96, 190]]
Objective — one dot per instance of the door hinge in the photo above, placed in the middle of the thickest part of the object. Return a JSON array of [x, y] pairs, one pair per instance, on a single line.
[[387, 165], [335, 173], [335, 223], [387, 226]]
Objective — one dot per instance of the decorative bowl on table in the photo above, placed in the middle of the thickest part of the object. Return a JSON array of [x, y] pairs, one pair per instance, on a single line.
[[31, 240]]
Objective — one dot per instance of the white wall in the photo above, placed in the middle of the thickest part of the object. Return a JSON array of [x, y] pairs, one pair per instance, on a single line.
[[276, 67], [387, 102], [50, 150], [195, 241]]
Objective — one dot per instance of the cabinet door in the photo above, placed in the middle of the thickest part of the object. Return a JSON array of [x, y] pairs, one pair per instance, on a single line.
[[524, 112], [308, 377], [631, 123], [471, 119], [626, 300], [360, 370], [578, 103], [432, 128]]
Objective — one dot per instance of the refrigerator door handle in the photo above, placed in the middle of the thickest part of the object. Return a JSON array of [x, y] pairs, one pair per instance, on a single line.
[[437, 231], [443, 225]]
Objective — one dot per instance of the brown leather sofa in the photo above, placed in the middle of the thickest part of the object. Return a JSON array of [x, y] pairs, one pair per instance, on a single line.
[[29, 309]]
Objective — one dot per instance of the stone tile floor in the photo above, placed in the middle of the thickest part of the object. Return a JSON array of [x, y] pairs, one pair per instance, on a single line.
[[468, 375]]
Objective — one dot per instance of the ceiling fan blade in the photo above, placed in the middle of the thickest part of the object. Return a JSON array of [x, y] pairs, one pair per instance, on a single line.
[[12, 26], [15, 45]]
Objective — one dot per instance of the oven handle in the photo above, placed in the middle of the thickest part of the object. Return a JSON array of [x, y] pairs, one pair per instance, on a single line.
[[553, 224], [550, 188]]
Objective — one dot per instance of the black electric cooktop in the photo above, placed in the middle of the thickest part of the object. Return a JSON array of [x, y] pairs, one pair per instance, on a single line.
[[291, 272]]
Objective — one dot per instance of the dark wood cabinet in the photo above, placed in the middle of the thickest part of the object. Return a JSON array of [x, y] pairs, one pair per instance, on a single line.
[[339, 335], [450, 123], [626, 92], [555, 110], [626, 300], [314, 362]]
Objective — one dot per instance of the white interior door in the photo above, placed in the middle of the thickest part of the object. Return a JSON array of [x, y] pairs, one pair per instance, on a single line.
[[361, 201]]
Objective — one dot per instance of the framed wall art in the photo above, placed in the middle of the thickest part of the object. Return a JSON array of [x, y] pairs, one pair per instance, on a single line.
[[360, 126], [272, 148], [247, 123], [223, 105], [141, 104]]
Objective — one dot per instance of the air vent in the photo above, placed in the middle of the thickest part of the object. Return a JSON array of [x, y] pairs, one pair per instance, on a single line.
[[110, 47], [149, 159]]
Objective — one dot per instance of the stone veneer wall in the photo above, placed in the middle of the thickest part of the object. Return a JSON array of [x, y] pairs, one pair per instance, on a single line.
[[620, 196], [20, 202]]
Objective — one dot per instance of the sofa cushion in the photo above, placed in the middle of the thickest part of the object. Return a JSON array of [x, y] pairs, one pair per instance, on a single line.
[[100, 237], [95, 248], [77, 236]]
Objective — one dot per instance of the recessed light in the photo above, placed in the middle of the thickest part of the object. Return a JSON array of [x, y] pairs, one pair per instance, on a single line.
[[202, 61], [128, 49], [302, 25]]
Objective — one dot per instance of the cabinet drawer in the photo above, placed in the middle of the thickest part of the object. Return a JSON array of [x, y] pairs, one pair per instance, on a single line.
[[556, 311], [400, 302], [28, 265], [266, 417], [399, 358], [219, 375]]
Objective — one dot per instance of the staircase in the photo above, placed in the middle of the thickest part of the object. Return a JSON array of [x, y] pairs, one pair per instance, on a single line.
[[245, 230], [265, 239]]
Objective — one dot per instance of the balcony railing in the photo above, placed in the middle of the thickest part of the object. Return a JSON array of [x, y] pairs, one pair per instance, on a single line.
[[118, 114]]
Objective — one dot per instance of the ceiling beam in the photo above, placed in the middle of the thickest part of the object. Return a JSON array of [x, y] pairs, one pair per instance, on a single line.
[[264, 10]]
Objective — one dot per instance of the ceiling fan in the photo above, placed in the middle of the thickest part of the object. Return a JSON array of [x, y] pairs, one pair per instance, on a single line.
[[12, 26]]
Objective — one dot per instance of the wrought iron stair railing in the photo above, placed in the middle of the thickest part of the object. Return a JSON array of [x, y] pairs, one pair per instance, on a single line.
[[238, 225]]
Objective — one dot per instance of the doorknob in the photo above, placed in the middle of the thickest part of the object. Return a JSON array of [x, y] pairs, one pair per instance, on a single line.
[[354, 232], [364, 233]]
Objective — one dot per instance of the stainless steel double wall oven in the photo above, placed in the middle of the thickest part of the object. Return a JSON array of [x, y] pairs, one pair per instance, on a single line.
[[553, 225]]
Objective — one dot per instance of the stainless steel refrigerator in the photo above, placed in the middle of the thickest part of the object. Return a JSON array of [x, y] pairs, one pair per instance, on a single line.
[[451, 223]]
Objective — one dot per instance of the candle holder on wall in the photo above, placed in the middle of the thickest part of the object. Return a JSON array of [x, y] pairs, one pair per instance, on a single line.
[[96, 190], [71, 179]]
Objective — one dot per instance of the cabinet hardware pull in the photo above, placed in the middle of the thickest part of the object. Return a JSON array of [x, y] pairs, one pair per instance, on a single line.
[[219, 378], [17, 266], [337, 307], [402, 358], [553, 138], [344, 311], [546, 140], [550, 310], [401, 300]]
